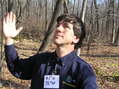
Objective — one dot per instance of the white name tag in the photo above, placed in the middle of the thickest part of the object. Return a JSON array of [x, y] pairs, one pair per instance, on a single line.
[[51, 81]]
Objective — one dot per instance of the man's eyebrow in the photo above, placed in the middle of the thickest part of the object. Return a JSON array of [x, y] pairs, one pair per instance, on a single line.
[[65, 23]]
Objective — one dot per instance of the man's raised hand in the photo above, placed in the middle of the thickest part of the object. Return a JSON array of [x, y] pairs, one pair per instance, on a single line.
[[9, 26]]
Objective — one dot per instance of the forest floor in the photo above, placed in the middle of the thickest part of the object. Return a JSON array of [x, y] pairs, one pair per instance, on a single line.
[[103, 58]]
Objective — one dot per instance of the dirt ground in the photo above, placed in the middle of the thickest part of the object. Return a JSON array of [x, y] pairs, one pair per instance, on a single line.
[[103, 58]]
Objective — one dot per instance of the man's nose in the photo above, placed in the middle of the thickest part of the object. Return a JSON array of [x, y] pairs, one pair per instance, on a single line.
[[59, 28]]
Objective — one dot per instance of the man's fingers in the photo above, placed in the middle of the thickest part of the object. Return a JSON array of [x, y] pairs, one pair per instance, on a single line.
[[7, 18], [10, 17], [13, 18], [18, 30]]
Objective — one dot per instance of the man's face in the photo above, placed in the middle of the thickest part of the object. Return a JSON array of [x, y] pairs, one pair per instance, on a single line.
[[64, 34]]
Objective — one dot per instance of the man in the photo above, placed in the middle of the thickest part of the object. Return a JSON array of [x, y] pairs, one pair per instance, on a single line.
[[61, 69]]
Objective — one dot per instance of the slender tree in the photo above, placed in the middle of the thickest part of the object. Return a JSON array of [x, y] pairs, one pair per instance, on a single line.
[[65, 7], [116, 42], [97, 20], [2, 53], [113, 23], [10, 5], [110, 20], [78, 8], [82, 16], [117, 38], [50, 31], [90, 29], [74, 6], [45, 15]]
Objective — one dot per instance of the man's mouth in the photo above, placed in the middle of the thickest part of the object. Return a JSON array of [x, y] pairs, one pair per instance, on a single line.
[[57, 36]]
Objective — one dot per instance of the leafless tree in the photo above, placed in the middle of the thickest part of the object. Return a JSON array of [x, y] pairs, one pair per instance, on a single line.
[[50, 31], [117, 38], [45, 14], [113, 22], [116, 42], [90, 29], [97, 20], [1, 43], [35, 16], [74, 6], [65, 6], [82, 16]]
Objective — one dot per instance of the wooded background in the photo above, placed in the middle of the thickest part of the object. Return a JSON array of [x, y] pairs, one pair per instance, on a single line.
[[101, 17], [38, 17]]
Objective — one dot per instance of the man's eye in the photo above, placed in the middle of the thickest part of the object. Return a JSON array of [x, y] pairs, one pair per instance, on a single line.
[[66, 26]]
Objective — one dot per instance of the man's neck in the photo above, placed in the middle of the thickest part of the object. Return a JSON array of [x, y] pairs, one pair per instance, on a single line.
[[61, 51]]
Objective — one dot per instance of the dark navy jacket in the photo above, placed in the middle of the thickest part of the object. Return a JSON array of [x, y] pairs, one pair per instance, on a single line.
[[81, 74]]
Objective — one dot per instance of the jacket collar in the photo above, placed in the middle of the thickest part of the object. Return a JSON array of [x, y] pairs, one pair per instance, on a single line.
[[63, 60]]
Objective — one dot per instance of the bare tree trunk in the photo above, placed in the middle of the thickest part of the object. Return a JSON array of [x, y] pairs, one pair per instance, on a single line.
[[97, 22], [28, 8], [2, 53], [108, 19], [50, 31], [113, 24], [117, 38], [74, 6], [39, 9], [52, 6], [83, 11], [90, 30], [78, 8], [116, 42], [10, 5], [82, 16], [18, 11], [65, 7], [45, 15]]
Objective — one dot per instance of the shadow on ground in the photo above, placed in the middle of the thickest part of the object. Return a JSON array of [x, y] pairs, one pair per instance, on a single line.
[[9, 84]]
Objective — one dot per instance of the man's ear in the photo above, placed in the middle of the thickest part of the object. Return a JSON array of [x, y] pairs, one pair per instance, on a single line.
[[76, 40]]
